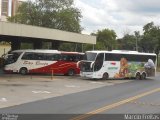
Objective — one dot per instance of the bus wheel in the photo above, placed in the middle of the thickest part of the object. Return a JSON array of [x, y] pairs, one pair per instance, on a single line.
[[71, 72], [105, 76], [138, 76], [143, 76], [23, 71]]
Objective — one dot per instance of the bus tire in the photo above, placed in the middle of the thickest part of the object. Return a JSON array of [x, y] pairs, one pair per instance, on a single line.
[[71, 72], [105, 76], [143, 76], [23, 71], [138, 76]]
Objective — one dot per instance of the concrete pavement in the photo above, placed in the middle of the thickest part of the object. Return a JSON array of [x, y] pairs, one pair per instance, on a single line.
[[16, 89]]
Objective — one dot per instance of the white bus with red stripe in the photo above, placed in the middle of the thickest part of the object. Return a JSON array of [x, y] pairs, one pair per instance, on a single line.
[[43, 61]]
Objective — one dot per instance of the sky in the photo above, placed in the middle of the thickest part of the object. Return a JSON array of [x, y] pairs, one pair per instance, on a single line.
[[122, 16]]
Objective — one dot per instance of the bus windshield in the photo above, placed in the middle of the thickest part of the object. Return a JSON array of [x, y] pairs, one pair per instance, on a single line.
[[90, 56], [12, 58]]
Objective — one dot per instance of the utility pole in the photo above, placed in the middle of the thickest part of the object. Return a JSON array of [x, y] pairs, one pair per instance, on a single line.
[[137, 35], [136, 43]]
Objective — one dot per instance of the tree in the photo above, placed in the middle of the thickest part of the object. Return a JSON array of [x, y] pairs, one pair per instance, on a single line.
[[128, 42], [57, 14], [106, 39], [151, 37]]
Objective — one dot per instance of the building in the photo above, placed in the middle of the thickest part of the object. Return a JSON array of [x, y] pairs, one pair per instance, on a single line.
[[15, 5], [4, 9], [20, 33], [8, 8]]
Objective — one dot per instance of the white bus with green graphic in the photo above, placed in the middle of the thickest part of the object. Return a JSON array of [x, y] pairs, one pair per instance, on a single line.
[[118, 64]]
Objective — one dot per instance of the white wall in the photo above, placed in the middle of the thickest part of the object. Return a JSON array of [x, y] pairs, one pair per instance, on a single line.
[[0, 8]]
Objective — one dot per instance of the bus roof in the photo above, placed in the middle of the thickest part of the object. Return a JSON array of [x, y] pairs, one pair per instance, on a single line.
[[122, 52], [37, 50], [46, 51], [65, 52]]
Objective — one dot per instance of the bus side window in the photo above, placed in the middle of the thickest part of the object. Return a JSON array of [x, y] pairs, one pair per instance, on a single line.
[[28, 56], [63, 57], [52, 57], [56, 57], [39, 56], [77, 58]]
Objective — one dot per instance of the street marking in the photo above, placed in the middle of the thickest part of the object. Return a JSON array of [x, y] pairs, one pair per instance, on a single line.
[[97, 82], [107, 107], [36, 92], [3, 100], [72, 86]]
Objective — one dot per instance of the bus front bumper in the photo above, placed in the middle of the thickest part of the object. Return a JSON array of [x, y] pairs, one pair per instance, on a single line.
[[86, 74]]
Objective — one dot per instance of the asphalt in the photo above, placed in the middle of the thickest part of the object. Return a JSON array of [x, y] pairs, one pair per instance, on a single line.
[[82, 102], [18, 89], [72, 105]]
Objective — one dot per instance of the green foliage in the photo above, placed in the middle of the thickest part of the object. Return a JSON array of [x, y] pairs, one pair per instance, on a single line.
[[57, 14], [128, 42], [148, 42], [106, 39], [151, 39], [61, 14]]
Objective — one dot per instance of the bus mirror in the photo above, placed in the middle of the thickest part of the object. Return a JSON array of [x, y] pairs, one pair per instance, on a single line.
[[78, 63], [92, 63]]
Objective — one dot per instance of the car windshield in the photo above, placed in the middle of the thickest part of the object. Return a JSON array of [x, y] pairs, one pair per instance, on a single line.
[[90, 56]]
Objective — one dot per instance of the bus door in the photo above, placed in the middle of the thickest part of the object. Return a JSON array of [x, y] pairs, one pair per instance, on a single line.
[[99, 62]]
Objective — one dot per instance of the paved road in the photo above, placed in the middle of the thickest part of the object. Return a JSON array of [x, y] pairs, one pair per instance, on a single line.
[[17, 89], [141, 96]]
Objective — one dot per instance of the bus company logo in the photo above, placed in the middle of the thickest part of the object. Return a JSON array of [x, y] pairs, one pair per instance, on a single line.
[[27, 63], [113, 63], [41, 63], [112, 68]]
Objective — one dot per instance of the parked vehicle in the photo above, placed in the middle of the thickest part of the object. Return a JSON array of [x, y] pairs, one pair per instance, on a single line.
[[118, 64], [43, 61]]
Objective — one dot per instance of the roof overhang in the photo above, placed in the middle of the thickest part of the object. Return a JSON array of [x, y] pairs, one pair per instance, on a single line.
[[21, 30]]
